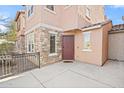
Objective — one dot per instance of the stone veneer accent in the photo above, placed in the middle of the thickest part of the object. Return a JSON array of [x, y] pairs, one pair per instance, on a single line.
[[42, 45]]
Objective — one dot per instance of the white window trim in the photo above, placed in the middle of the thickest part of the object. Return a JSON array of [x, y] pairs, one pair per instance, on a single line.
[[54, 54], [28, 36], [52, 32], [87, 50], [50, 11]]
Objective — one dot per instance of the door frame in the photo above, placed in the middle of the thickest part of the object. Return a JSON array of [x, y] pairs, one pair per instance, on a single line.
[[73, 47]]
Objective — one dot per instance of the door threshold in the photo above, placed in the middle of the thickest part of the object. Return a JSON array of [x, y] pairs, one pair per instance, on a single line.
[[68, 61]]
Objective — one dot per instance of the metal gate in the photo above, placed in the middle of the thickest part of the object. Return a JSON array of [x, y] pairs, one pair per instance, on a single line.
[[18, 63]]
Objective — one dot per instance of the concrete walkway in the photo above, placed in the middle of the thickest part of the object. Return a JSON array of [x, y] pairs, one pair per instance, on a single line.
[[70, 75]]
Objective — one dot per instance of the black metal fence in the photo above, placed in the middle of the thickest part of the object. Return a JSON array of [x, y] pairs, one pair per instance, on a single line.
[[18, 63]]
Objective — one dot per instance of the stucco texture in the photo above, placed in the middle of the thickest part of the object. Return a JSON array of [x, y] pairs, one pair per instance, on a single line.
[[99, 45]]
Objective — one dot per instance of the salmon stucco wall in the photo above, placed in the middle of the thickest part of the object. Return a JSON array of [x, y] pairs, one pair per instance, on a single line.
[[96, 15], [99, 45], [95, 55], [74, 16], [35, 17], [69, 17], [50, 17], [64, 17]]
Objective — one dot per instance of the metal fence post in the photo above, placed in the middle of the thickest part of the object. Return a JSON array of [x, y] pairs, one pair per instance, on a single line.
[[39, 58]]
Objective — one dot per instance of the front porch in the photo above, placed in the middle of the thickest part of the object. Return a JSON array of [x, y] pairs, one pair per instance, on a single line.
[[65, 75]]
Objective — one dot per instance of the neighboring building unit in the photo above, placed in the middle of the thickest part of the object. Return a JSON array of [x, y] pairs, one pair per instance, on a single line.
[[20, 26], [116, 43]]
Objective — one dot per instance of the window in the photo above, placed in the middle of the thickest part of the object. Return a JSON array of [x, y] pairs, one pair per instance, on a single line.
[[87, 40], [87, 12], [30, 10], [50, 7], [29, 47], [52, 43], [67, 5], [30, 42]]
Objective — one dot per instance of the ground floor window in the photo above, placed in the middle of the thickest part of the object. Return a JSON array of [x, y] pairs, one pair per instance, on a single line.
[[86, 40], [30, 42], [52, 43]]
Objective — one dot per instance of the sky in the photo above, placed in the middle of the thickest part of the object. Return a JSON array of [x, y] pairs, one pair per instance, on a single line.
[[7, 13], [113, 12]]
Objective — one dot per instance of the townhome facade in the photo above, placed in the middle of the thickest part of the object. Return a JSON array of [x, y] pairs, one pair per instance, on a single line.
[[66, 32], [42, 34]]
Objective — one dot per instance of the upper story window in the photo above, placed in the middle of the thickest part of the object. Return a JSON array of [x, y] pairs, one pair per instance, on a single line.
[[87, 12], [30, 10], [67, 6], [50, 7], [86, 40]]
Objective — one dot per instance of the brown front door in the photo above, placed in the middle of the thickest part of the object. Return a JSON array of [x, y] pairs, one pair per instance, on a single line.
[[68, 47]]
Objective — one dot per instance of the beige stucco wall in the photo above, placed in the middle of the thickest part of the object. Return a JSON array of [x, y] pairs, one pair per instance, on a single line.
[[105, 48], [116, 46]]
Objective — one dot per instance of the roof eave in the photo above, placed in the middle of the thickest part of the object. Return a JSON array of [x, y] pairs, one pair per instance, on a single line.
[[91, 28]]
